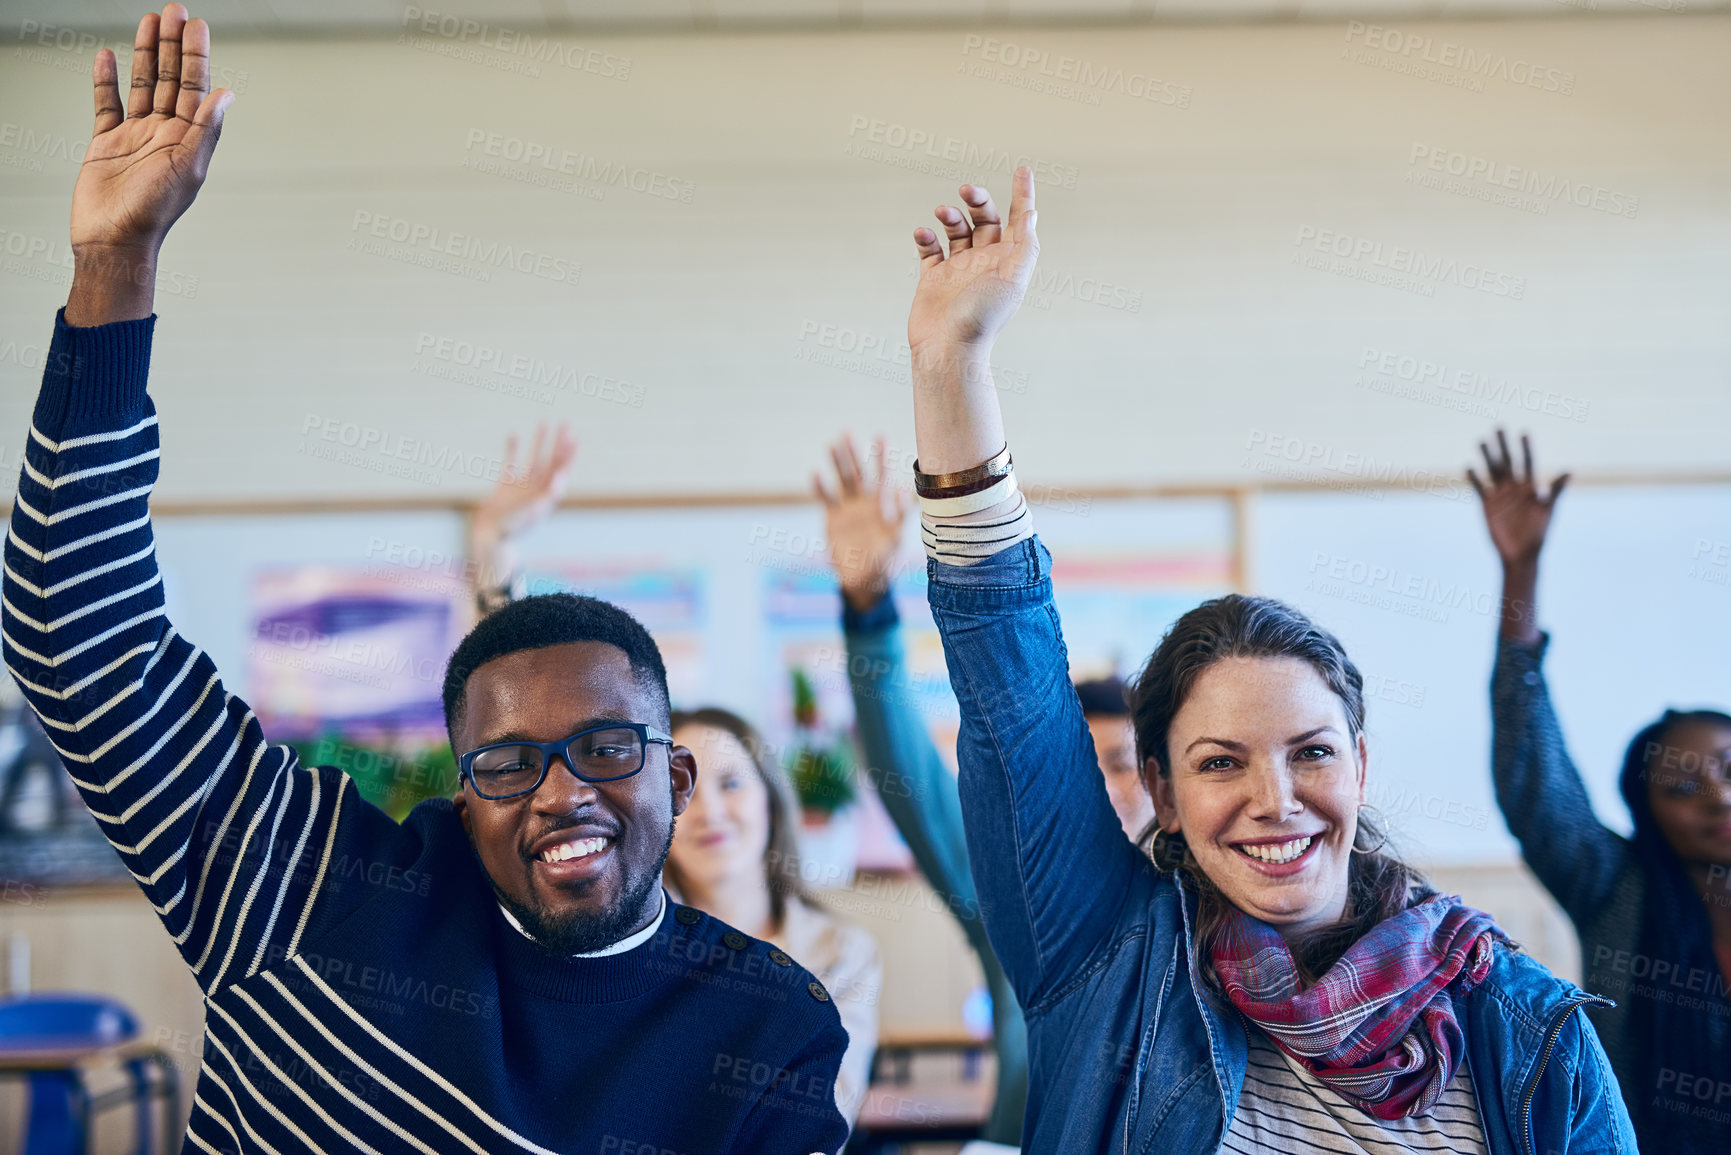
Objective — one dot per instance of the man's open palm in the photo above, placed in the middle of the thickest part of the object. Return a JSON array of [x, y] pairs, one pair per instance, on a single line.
[[149, 156]]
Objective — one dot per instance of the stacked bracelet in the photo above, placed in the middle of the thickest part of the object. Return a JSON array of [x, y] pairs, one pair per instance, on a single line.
[[967, 517], [981, 477], [955, 504]]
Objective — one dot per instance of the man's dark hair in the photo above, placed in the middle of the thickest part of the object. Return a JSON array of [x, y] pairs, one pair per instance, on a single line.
[[534, 623], [1104, 697]]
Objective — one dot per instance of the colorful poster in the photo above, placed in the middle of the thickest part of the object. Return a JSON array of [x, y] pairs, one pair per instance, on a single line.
[[802, 620], [1116, 607], [350, 652]]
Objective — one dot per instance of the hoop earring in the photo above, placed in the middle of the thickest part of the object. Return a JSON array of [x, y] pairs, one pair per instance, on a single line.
[[1380, 824], [1168, 851]]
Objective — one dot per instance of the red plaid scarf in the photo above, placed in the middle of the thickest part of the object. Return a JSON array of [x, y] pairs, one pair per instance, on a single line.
[[1379, 1028]]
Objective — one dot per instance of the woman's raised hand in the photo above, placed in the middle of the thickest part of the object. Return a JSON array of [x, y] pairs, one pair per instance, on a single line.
[[863, 523], [145, 164], [964, 298], [1516, 513]]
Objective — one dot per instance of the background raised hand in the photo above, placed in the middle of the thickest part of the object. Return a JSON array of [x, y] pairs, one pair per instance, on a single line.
[[1516, 513], [145, 164], [1518, 516], [524, 496], [863, 520]]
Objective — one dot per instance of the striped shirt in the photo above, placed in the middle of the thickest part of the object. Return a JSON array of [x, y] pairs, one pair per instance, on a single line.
[[1285, 1109], [362, 990]]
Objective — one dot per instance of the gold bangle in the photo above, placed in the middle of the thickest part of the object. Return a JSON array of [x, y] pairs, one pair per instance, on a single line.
[[943, 484]]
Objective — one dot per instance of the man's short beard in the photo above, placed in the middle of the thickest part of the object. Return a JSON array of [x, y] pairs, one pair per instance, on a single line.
[[576, 933]]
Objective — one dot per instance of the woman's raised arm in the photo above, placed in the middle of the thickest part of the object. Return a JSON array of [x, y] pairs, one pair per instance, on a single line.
[[1541, 794], [1052, 868]]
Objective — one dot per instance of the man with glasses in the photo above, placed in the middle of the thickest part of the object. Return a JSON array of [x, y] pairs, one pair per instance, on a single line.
[[535, 990]]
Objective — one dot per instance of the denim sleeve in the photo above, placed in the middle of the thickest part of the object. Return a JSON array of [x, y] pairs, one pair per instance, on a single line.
[[1540, 792], [1050, 862]]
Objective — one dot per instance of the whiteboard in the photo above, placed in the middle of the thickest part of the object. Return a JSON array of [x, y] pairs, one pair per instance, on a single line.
[[1636, 629]]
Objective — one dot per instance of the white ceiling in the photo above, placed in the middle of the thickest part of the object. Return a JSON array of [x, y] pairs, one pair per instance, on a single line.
[[275, 17]]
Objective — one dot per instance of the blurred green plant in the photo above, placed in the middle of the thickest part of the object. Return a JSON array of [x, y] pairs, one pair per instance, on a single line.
[[822, 766], [394, 780]]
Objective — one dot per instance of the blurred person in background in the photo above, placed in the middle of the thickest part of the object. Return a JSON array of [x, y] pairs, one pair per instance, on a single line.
[[1106, 709], [1652, 911], [735, 852], [736, 855], [1273, 980]]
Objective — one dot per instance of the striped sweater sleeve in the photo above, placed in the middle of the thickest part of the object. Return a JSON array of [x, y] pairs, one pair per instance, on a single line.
[[228, 837]]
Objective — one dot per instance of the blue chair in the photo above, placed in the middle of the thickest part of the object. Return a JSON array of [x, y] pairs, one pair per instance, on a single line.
[[49, 1038]]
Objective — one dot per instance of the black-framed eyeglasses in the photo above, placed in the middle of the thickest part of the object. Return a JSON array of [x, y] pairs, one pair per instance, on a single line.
[[603, 753]]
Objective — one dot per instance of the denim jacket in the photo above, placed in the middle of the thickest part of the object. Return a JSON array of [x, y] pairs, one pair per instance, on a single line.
[[1128, 1051]]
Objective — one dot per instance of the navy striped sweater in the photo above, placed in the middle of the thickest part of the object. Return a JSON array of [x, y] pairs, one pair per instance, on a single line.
[[363, 991]]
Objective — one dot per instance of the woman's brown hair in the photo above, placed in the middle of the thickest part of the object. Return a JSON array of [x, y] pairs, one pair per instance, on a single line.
[[781, 855], [1379, 884]]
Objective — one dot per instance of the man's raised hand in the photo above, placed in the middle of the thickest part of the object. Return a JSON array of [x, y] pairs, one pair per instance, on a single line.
[[146, 161], [964, 298]]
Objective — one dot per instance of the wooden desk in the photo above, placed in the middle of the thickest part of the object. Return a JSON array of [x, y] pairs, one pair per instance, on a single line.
[[13, 1060], [107, 940], [899, 1110], [926, 1107], [898, 1047], [61, 1109]]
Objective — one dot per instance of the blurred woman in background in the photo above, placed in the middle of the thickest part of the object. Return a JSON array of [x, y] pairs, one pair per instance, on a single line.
[[1653, 912], [735, 854]]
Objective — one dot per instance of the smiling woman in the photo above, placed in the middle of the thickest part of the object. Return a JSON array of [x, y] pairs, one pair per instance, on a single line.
[[1263, 981], [1251, 719], [735, 854]]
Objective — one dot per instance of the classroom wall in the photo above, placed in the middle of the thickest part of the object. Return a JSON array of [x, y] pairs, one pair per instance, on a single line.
[[706, 333]]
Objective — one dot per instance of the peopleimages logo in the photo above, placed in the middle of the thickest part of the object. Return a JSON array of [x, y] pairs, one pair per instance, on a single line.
[[1070, 77], [1409, 51], [509, 42], [1540, 189], [28, 147], [539, 377], [580, 166], [925, 151], [1469, 384], [417, 243], [1410, 264]]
